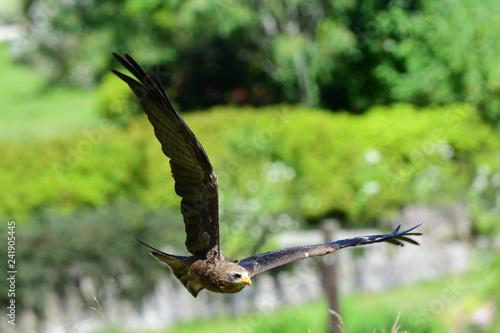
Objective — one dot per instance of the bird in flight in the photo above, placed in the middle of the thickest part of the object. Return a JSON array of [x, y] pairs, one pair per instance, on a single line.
[[196, 183]]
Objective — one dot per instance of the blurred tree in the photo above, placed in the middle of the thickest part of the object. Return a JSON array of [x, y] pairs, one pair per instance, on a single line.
[[335, 54], [220, 49], [442, 53]]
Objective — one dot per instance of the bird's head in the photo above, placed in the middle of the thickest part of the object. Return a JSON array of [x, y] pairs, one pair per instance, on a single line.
[[236, 277]]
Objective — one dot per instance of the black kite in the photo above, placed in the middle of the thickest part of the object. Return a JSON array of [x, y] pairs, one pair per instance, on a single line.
[[196, 184]]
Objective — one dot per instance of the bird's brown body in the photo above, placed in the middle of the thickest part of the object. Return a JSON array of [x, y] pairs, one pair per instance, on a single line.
[[209, 270], [196, 183], [212, 275]]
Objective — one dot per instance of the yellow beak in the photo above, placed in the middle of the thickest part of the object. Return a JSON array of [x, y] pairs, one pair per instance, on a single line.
[[246, 280]]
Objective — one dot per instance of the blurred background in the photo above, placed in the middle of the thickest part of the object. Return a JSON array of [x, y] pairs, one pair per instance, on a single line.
[[360, 115]]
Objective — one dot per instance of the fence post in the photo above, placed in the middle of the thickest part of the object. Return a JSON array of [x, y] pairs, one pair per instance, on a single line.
[[329, 228]]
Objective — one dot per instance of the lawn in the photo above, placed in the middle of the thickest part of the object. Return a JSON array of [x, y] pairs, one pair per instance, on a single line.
[[32, 109]]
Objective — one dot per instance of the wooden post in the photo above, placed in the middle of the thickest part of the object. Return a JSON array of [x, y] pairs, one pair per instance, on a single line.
[[329, 275]]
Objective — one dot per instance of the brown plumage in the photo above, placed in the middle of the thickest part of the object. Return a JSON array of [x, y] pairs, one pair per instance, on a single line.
[[196, 184]]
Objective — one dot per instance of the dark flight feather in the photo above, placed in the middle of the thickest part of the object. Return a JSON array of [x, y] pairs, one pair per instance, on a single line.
[[195, 180], [265, 261]]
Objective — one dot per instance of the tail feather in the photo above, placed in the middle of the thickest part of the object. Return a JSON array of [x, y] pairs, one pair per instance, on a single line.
[[178, 267]]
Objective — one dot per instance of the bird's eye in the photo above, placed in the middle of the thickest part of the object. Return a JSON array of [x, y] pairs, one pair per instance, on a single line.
[[237, 275]]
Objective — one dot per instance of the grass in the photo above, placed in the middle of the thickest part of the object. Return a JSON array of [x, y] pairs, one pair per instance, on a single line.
[[31, 109], [442, 305]]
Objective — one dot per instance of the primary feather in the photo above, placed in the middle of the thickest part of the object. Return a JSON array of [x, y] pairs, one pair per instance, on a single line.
[[195, 180]]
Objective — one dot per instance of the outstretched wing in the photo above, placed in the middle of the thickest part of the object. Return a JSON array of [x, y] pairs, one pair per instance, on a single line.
[[266, 261], [195, 180]]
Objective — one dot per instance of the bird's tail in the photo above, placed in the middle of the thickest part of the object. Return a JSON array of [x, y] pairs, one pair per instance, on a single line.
[[178, 267]]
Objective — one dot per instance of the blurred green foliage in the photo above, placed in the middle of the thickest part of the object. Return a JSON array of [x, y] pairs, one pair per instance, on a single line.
[[445, 53], [31, 110], [115, 102], [91, 253], [334, 54], [10, 11], [281, 159]]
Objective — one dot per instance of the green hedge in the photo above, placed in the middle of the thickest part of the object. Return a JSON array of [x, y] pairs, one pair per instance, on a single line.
[[311, 163]]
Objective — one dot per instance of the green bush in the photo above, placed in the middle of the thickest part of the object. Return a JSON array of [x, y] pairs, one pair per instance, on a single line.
[[316, 163], [89, 170], [282, 159]]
